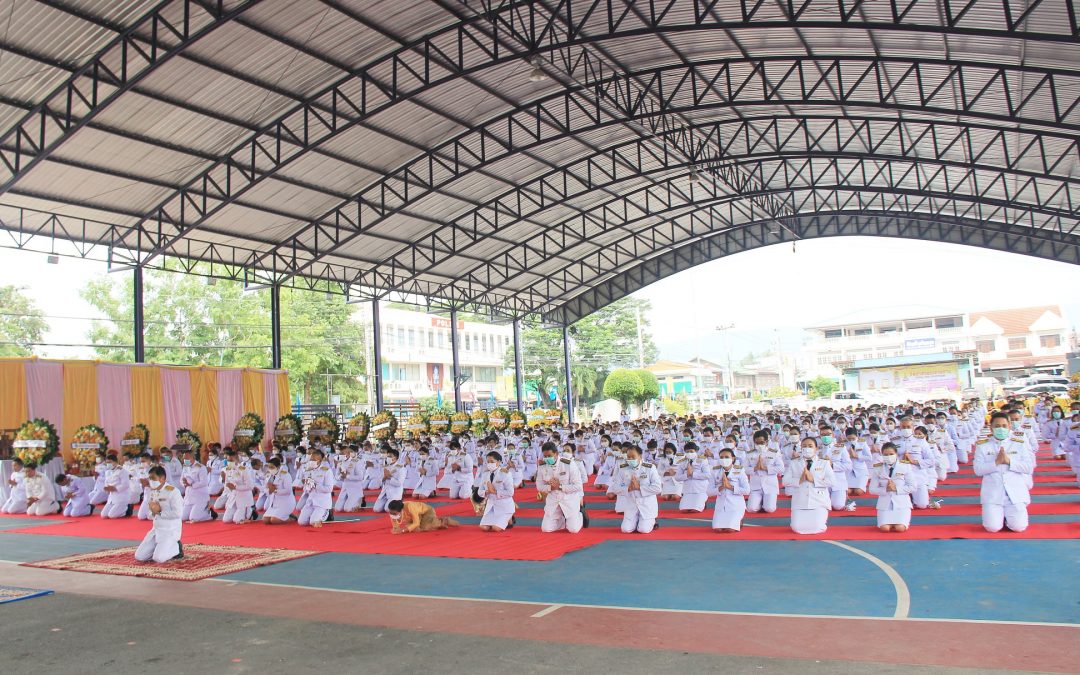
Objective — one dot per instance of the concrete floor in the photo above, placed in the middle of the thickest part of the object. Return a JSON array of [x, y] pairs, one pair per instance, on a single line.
[[71, 634]]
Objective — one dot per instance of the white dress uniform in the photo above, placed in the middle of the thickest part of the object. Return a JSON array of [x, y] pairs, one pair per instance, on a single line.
[[696, 478], [393, 487], [116, 504], [1004, 493], [318, 489], [917, 452], [196, 482], [860, 464], [78, 498], [641, 505], [98, 494], [240, 500], [607, 468], [893, 507], [562, 506], [1057, 432], [351, 474], [428, 468], [499, 506], [16, 501], [162, 542], [39, 487], [215, 467], [810, 501], [764, 485], [461, 478], [730, 507], [840, 459], [281, 502]]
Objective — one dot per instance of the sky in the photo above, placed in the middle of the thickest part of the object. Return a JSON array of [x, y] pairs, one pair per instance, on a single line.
[[766, 295]]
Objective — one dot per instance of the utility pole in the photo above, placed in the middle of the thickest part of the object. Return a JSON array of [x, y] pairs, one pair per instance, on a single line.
[[640, 342], [727, 351]]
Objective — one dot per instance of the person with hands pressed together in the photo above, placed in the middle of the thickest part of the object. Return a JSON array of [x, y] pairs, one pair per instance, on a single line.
[[162, 543], [1005, 464], [893, 481], [559, 486], [811, 479], [640, 483], [732, 485]]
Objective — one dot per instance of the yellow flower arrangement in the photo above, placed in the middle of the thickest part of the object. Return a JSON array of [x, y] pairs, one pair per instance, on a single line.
[[517, 419], [383, 425], [85, 444], [36, 441], [479, 420], [359, 426], [459, 422]]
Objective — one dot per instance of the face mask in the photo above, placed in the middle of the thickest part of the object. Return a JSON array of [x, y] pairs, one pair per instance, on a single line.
[[691, 455], [906, 433], [827, 440], [794, 438], [310, 465], [807, 453], [1057, 415], [549, 460], [395, 518], [166, 458], [726, 462], [890, 426], [633, 463], [889, 459], [99, 461], [1001, 433], [155, 484], [1016, 424], [760, 447], [187, 462], [491, 466], [423, 457]]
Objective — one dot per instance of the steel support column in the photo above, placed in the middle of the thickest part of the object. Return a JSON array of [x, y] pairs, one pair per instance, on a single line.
[[275, 326], [456, 373], [566, 365], [137, 316], [519, 393], [376, 356]]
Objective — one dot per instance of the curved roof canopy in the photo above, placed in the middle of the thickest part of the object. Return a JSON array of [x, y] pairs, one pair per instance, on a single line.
[[531, 157]]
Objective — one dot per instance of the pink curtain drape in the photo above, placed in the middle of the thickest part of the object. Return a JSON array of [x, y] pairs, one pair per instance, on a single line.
[[270, 402], [114, 401], [230, 402], [45, 391], [176, 387]]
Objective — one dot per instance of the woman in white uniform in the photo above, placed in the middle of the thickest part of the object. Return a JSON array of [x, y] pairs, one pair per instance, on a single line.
[[811, 479], [280, 500], [667, 465], [732, 486], [696, 478], [496, 487], [893, 482]]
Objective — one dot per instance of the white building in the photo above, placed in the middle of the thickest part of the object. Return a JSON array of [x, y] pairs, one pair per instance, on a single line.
[[1010, 342], [417, 362]]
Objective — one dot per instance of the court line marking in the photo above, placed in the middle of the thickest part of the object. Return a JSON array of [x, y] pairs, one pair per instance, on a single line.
[[903, 596], [666, 610], [545, 611]]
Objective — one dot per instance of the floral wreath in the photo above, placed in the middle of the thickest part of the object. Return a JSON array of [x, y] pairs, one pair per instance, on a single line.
[[85, 445], [460, 422], [416, 424], [139, 433], [479, 420], [36, 441], [439, 420], [359, 428], [517, 419], [323, 428], [383, 425], [248, 432], [185, 436], [288, 429], [499, 419]]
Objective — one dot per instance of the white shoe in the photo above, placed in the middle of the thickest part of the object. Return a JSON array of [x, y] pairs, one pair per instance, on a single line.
[[850, 506]]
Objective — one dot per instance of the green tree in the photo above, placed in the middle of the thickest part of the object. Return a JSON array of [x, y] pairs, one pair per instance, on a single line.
[[822, 387], [650, 386], [782, 392], [189, 322], [624, 386], [22, 324]]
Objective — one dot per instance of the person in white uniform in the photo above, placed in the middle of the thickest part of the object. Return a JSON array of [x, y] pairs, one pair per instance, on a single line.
[[239, 483], [40, 496], [393, 482], [640, 482], [558, 485], [162, 543], [732, 485], [893, 481], [496, 487], [117, 484], [695, 475], [318, 487], [195, 480], [280, 500], [77, 495], [763, 467], [428, 468], [16, 501], [459, 465], [811, 479], [1005, 464], [351, 472]]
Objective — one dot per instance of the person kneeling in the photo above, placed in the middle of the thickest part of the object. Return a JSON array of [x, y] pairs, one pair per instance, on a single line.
[[162, 542], [40, 496], [893, 482], [732, 484], [497, 490], [408, 517], [640, 483], [810, 478]]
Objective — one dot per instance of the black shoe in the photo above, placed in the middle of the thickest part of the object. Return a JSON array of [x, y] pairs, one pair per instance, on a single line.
[[363, 502], [656, 526], [91, 510], [330, 518], [254, 513], [130, 510], [584, 518], [180, 555], [213, 514], [513, 522]]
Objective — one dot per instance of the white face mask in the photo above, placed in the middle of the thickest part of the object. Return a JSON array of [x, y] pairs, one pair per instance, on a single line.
[[809, 452], [726, 462], [491, 466], [691, 455], [794, 438], [889, 459], [760, 447], [156, 484], [906, 433]]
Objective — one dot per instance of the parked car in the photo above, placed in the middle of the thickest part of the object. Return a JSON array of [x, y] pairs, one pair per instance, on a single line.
[[1042, 390]]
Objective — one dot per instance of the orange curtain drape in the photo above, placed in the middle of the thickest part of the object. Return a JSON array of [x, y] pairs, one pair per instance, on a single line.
[[283, 400], [252, 385], [14, 409], [80, 400], [148, 402], [204, 405]]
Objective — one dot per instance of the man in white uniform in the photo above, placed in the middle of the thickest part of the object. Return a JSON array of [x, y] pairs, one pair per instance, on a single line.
[[1005, 463], [162, 542], [40, 496], [558, 484]]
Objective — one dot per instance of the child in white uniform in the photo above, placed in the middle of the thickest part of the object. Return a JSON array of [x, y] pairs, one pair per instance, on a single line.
[[893, 482], [732, 485]]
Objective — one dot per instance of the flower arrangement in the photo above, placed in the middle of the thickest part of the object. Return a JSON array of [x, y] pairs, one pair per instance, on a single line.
[[460, 422], [189, 438], [553, 416], [136, 439], [85, 444], [383, 425], [323, 428], [537, 417], [499, 419], [248, 432], [479, 420], [36, 441], [416, 424], [288, 429], [517, 419], [439, 420], [359, 426]]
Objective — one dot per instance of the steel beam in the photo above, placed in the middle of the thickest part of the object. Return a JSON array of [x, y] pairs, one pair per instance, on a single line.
[[376, 344], [456, 363], [519, 390], [275, 326], [569, 375], [138, 322]]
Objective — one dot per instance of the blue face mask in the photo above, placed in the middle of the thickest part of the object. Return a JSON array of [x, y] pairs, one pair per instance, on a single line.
[[549, 460], [633, 463], [1000, 433]]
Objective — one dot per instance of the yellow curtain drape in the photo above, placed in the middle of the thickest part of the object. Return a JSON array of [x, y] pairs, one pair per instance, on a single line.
[[204, 405], [252, 385], [14, 409], [283, 400], [80, 400], [148, 402]]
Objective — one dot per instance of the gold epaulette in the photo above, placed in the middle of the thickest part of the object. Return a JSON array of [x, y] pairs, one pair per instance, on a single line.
[[982, 441], [905, 461], [879, 464], [564, 460], [623, 465], [647, 465], [169, 487]]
